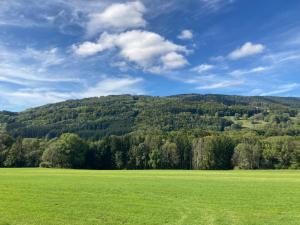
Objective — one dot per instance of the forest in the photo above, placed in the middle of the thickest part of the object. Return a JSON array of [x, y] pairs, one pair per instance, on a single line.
[[143, 132]]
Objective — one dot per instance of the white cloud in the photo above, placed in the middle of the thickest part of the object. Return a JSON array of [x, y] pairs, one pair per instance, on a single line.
[[247, 49], [31, 97], [199, 79], [218, 58], [147, 49], [255, 92], [295, 40], [114, 86], [282, 89], [121, 65], [46, 58], [258, 69], [283, 57], [27, 75], [214, 5], [173, 60], [60, 13], [91, 16], [186, 35], [106, 41], [202, 68], [221, 85], [118, 16], [254, 70], [30, 66], [13, 80]]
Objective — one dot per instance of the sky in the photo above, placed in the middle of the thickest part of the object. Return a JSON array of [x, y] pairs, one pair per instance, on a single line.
[[51, 51]]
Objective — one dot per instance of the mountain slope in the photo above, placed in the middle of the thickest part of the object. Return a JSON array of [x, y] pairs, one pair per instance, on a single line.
[[99, 117]]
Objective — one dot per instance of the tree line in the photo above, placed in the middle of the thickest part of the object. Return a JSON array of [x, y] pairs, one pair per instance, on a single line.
[[196, 149], [144, 132]]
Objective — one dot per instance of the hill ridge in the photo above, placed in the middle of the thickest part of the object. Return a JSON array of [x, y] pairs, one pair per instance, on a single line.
[[120, 114]]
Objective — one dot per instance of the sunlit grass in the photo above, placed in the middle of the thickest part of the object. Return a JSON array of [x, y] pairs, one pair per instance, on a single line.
[[54, 196]]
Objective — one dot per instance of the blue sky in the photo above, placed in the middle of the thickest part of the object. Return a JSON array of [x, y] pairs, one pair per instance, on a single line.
[[55, 50]]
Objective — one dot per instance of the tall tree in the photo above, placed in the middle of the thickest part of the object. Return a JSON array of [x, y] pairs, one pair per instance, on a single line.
[[170, 155], [16, 155], [213, 152], [68, 151]]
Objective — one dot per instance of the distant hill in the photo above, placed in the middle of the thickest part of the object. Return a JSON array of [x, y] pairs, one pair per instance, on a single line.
[[118, 115]]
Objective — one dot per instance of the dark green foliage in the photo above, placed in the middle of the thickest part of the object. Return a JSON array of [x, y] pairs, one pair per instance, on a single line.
[[142, 132], [248, 153], [138, 157], [155, 159], [118, 115], [99, 155], [282, 152], [213, 152], [6, 141], [68, 151], [170, 157], [33, 149], [16, 155]]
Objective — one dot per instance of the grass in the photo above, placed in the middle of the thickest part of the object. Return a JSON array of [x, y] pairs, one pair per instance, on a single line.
[[79, 197], [246, 123]]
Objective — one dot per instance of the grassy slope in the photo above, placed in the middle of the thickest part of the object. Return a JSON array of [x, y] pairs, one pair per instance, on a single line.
[[50, 197], [246, 123]]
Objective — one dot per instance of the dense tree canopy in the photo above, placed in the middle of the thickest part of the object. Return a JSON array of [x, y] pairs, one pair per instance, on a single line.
[[142, 132], [139, 150], [68, 151]]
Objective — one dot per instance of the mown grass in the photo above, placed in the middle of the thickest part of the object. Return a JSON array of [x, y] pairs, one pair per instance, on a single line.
[[54, 196]]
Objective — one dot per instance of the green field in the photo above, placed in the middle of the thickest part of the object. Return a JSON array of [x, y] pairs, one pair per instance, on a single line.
[[54, 196]]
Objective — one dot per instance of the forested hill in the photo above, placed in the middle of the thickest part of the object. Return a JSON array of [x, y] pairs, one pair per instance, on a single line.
[[95, 118]]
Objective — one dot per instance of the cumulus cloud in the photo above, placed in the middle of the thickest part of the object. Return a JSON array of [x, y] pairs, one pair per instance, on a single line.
[[173, 60], [247, 49], [202, 68], [186, 35], [118, 16], [147, 49], [106, 41]]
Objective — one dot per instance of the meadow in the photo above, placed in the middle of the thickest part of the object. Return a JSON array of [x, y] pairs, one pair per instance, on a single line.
[[81, 197]]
